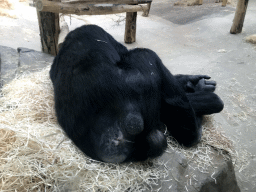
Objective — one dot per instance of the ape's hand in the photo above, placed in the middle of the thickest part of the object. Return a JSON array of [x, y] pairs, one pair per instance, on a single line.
[[193, 83], [201, 85]]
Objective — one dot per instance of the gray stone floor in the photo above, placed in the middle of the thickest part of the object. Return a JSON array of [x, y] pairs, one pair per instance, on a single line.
[[194, 40]]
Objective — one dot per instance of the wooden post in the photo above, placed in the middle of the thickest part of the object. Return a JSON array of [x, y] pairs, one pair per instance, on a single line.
[[0, 72], [224, 3], [130, 27], [239, 17], [146, 12], [200, 2], [49, 31]]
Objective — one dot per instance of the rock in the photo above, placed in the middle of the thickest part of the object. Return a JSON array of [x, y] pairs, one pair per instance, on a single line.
[[222, 51], [9, 63], [31, 60], [184, 175], [15, 62]]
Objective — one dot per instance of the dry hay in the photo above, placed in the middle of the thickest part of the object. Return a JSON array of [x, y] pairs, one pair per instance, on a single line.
[[7, 7], [35, 155], [251, 39], [187, 2]]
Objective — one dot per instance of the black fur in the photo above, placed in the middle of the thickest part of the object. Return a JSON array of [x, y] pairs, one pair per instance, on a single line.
[[113, 102]]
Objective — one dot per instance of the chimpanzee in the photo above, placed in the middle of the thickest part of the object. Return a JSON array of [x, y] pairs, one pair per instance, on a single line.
[[114, 103]]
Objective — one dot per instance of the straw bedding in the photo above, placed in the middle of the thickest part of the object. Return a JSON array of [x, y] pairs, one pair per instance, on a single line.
[[7, 7], [35, 154]]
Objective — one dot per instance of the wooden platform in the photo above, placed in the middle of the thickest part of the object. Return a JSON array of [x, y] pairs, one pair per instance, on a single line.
[[53, 32]]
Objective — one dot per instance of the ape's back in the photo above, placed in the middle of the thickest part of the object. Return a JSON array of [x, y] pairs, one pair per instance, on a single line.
[[87, 43], [98, 87]]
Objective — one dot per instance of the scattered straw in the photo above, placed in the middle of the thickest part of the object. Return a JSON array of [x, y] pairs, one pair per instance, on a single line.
[[251, 39], [35, 154], [7, 7], [200, 156], [187, 2]]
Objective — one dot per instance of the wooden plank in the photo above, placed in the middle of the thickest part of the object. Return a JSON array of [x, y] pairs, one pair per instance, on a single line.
[[85, 9], [49, 31], [130, 27], [239, 17], [107, 1], [224, 3], [0, 72]]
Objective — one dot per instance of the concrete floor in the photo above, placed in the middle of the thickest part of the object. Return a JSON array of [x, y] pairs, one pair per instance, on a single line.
[[189, 40]]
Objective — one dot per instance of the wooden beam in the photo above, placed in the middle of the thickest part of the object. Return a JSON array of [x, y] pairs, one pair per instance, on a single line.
[[130, 27], [239, 17], [85, 9], [107, 1], [0, 72], [224, 3]]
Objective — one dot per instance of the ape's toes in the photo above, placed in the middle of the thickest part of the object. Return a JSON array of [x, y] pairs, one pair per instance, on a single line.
[[134, 123]]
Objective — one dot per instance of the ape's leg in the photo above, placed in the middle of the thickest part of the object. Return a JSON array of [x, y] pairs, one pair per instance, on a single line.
[[176, 111], [173, 106], [201, 97]]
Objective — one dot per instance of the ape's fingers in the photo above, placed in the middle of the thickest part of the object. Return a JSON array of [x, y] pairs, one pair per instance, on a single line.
[[201, 82], [205, 77], [209, 88], [210, 83], [195, 78], [200, 86]]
